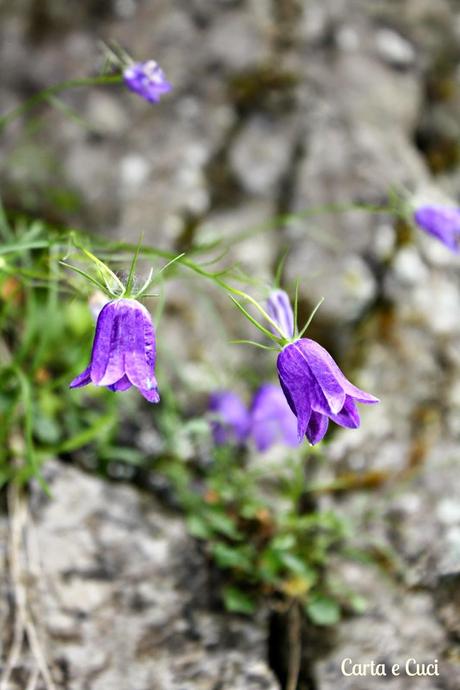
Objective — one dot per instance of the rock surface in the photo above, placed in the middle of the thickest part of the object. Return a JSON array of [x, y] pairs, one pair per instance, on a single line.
[[278, 108], [123, 599]]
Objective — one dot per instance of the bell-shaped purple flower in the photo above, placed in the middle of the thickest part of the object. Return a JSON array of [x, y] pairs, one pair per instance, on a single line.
[[147, 79], [317, 390], [442, 222], [271, 419], [123, 353], [280, 311], [231, 420]]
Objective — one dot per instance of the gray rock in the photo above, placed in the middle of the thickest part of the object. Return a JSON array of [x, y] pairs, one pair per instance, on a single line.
[[261, 154], [127, 603], [394, 49], [123, 596]]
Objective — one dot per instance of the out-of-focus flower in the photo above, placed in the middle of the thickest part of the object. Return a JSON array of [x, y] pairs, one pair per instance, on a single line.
[[147, 79], [271, 419], [317, 390], [442, 222], [280, 311], [231, 420], [123, 353]]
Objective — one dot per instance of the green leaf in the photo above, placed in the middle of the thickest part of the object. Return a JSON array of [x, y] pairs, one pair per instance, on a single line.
[[358, 603], [323, 610], [237, 601], [223, 523], [296, 565], [46, 429], [198, 527], [283, 542], [96, 430], [231, 557]]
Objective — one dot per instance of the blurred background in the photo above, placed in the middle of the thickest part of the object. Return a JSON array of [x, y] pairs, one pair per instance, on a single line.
[[158, 562]]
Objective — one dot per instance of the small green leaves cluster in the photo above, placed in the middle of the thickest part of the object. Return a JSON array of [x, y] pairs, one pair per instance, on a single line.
[[251, 524]]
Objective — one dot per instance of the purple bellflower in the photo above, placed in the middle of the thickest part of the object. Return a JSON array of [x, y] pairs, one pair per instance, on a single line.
[[280, 311], [271, 419], [147, 79], [442, 222], [123, 353], [317, 390], [231, 422]]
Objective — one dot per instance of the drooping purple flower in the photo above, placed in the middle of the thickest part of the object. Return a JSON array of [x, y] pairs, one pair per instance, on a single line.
[[123, 353], [317, 390], [442, 222], [231, 420], [147, 79], [271, 419], [280, 311]]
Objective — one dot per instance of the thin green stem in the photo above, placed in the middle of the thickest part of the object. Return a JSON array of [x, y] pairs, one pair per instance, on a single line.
[[310, 319], [20, 246], [255, 323], [255, 304], [252, 342], [296, 307], [132, 268], [44, 95]]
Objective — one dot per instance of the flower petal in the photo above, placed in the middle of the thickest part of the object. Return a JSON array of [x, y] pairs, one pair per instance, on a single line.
[[280, 311], [122, 385], [317, 427], [151, 395], [326, 372], [140, 348], [348, 415], [106, 357], [358, 394], [82, 379], [300, 406]]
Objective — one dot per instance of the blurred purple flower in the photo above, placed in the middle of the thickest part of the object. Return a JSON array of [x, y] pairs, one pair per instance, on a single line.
[[317, 390], [147, 79], [271, 419], [231, 420], [123, 353], [442, 222], [280, 311]]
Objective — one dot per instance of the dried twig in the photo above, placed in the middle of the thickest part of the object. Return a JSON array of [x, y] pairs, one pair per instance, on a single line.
[[24, 626], [295, 646], [16, 525]]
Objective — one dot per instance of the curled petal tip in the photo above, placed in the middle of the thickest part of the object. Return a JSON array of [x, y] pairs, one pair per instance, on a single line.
[[82, 379]]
